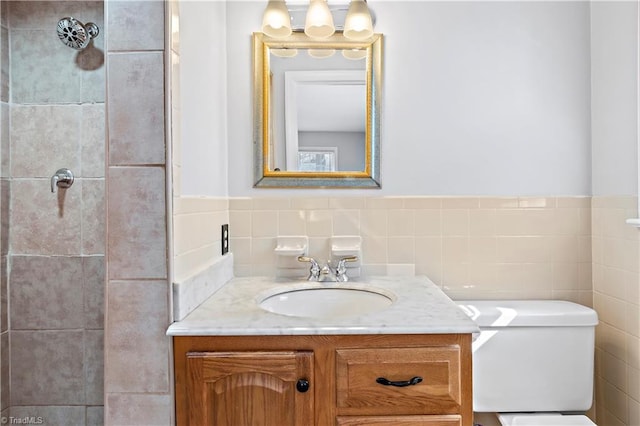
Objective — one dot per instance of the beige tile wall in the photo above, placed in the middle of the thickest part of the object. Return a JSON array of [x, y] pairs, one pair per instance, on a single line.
[[472, 247], [197, 234], [137, 352], [616, 279]]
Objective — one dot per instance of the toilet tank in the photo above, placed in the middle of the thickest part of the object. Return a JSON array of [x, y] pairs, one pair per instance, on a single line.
[[532, 355]]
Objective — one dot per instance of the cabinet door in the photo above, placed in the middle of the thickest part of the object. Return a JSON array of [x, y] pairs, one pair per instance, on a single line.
[[249, 388]]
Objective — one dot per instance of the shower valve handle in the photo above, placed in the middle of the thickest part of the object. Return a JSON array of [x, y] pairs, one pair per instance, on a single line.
[[63, 178]]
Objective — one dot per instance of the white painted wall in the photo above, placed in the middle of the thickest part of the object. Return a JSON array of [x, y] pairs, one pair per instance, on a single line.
[[203, 76], [480, 98], [614, 53]]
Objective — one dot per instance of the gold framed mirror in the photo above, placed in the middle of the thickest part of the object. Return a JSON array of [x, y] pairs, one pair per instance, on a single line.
[[317, 109]]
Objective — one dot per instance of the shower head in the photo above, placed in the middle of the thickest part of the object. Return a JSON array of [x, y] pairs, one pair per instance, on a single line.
[[76, 35]]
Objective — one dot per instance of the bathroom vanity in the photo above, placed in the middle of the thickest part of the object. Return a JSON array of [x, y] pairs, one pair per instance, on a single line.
[[409, 363]]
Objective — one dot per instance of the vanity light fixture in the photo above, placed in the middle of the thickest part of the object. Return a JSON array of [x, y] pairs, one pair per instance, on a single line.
[[276, 21], [357, 23], [319, 22]]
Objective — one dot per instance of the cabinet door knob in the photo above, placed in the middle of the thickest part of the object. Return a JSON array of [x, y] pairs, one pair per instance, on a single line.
[[302, 385], [410, 382]]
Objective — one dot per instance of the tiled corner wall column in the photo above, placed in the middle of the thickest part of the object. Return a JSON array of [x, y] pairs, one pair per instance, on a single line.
[[472, 247], [616, 298], [137, 352]]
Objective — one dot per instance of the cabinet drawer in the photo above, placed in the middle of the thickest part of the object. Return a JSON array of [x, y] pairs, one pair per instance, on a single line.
[[447, 420], [438, 391]]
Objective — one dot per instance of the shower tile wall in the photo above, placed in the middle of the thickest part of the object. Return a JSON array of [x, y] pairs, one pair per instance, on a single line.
[[56, 265], [4, 209]]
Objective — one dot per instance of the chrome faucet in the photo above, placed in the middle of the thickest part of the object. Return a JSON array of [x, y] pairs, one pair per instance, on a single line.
[[314, 271], [341, 269], [326, 273]]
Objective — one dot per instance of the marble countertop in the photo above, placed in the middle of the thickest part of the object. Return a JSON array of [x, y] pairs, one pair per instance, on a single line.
[[420, 307]]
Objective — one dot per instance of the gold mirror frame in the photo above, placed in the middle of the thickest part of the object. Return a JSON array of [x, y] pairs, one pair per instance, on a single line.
[[264, 177]]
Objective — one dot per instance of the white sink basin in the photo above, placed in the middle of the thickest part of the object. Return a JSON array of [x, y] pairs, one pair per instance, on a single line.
[[326, 302]]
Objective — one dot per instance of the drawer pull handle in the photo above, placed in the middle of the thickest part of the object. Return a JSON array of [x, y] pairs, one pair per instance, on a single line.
[[410, 382]]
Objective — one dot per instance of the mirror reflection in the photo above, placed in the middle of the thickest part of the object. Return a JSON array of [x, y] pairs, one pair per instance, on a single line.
[[325, 111], [316, 109]]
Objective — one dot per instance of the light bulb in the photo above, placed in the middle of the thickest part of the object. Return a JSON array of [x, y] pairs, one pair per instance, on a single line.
[[319, 22], [276, 21], [358, 24]]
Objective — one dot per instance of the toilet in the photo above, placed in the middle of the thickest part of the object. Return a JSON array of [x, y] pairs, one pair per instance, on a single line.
[[533, 361]]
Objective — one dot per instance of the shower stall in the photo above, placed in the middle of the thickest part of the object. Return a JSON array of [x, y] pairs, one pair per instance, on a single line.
[[52, 104], [84, 287]]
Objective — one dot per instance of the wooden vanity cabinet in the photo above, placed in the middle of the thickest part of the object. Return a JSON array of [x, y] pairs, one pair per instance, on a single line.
[[260, 380]]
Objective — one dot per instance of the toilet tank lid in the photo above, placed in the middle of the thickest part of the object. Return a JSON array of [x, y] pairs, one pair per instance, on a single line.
[[528, 313]]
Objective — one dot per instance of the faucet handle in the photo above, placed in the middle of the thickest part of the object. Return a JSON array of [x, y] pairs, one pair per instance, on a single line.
[[307, 259], [349, 259], [341, 269], [314, 271], [342, 261], [63, 178]]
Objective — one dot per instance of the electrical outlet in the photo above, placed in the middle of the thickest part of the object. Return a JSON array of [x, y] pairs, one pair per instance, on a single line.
[[225, 239]]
